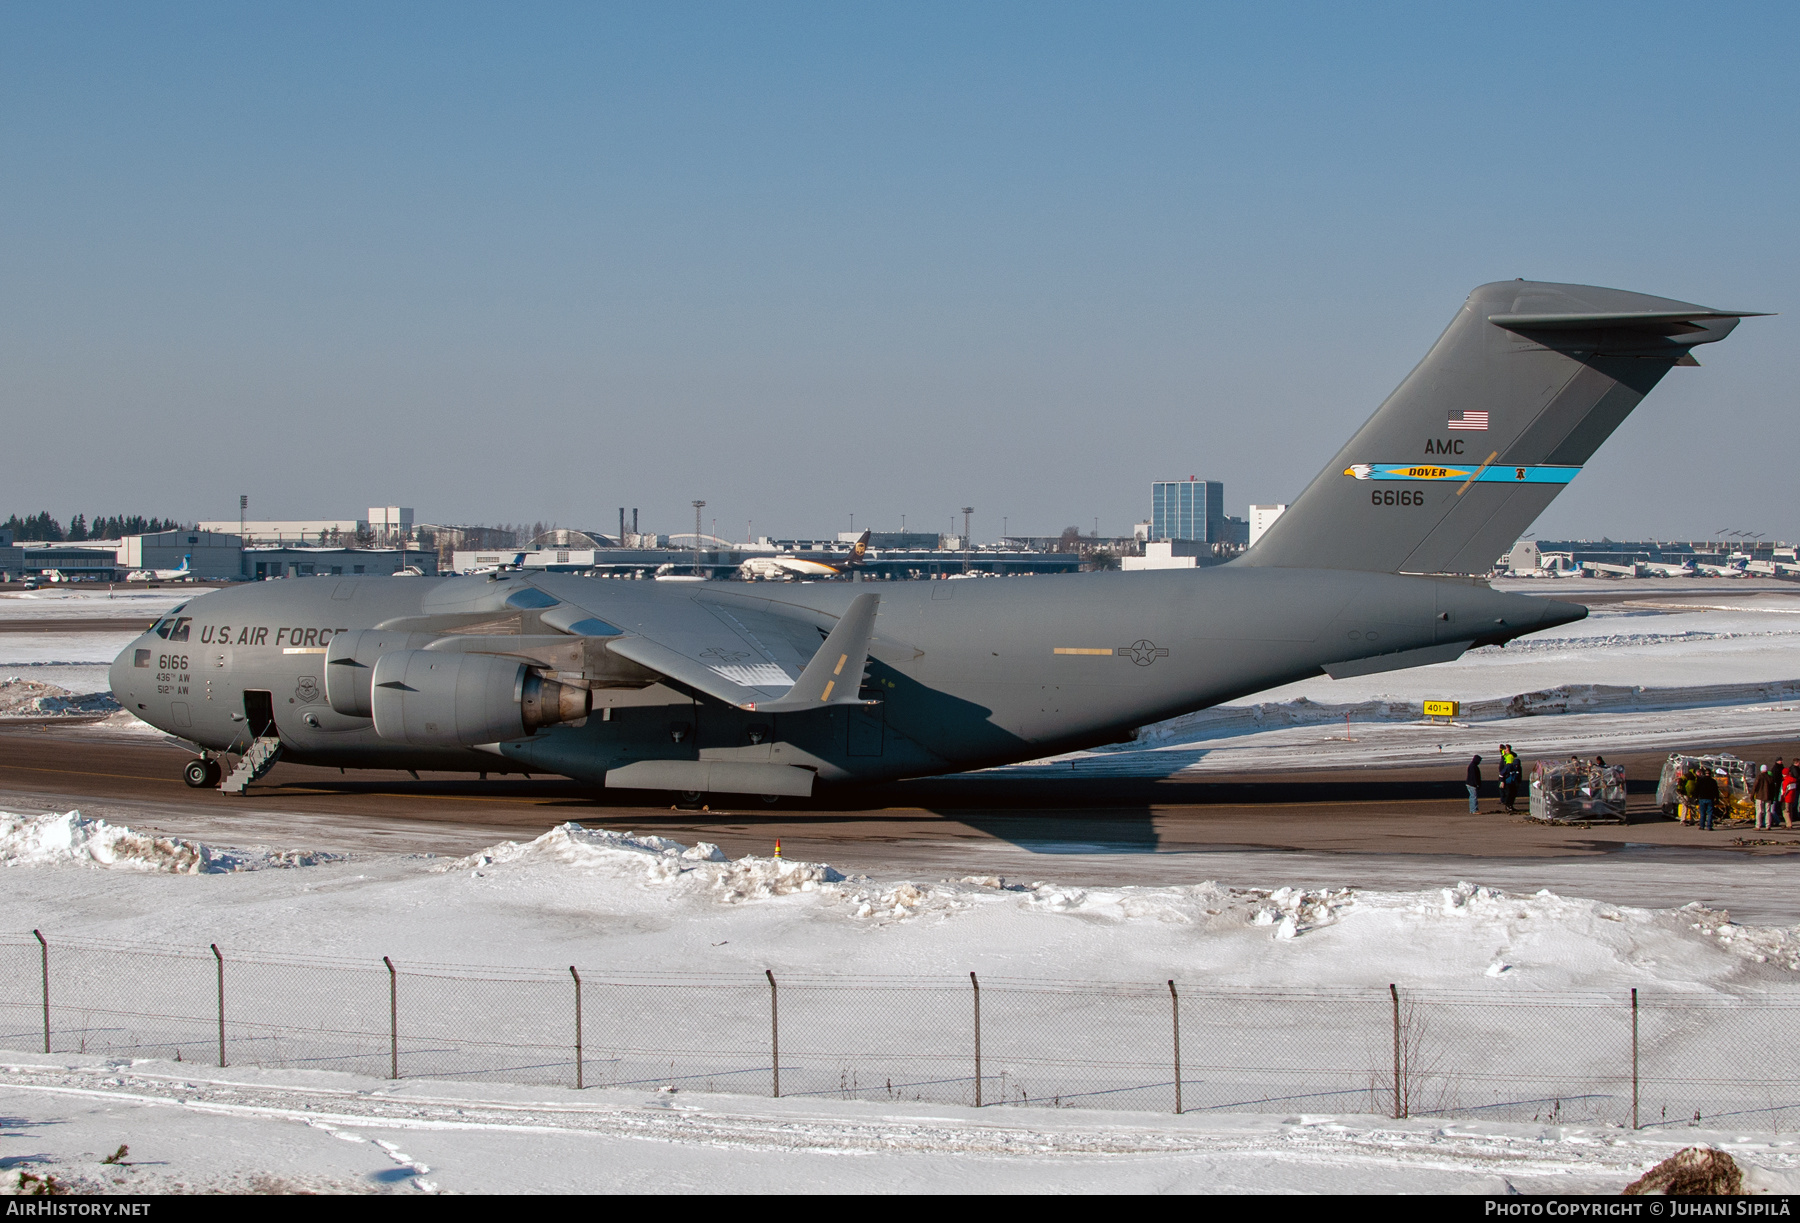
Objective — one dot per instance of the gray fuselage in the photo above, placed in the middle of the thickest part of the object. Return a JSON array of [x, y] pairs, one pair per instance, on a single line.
[[962, 674]]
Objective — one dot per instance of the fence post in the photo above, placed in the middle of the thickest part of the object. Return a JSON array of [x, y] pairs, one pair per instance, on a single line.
[[577, 976], [221, 962], [977, 987], [393, 1019], [1634, 1059], [1399, 1090], [774, 1032], [1175, 1012], [45, 949]]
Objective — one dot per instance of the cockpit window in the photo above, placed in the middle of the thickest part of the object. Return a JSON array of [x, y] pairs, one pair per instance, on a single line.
[[171, 624]]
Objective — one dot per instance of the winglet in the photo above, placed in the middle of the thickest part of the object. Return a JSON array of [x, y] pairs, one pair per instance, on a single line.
[[834, 676]]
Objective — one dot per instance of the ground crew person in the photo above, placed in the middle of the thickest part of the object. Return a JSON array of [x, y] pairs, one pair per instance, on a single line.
[[1706, 796], [1472, 779], [1762, 794], [1790, 793], [1511, 772]]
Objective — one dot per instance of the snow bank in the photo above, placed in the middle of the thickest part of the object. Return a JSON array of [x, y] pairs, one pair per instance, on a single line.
[[21, 697], [654, 860], [1467, 929], [72, 838], [572, 845], [1547, 928], [635, 899]]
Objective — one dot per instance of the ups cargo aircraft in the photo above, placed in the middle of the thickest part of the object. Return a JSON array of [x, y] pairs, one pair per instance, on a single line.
[[761, 690]]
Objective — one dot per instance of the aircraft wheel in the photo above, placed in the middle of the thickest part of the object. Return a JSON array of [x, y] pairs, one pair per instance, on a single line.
[[214, 771], [690, 800], [771, 799], [199, 773]]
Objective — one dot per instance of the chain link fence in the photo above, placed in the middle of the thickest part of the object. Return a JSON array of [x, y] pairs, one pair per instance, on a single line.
[[1174, 1045]]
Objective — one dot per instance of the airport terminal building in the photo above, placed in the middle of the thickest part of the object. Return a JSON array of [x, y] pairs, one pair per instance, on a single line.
[[211, 556], [266, 564], [718, 561]]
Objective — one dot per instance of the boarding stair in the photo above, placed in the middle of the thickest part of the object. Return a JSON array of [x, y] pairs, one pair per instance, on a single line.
[[253, 764]]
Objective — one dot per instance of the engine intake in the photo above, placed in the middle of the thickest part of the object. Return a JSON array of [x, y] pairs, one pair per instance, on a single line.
[[430, 697]]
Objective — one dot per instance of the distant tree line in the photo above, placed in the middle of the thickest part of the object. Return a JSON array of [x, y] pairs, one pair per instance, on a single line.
[[41, 528]]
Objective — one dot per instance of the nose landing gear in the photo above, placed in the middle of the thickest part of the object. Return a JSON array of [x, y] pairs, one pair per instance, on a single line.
[[201, 773]]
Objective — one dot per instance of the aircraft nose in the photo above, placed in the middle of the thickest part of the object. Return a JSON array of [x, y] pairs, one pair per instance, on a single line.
[[121, 676]]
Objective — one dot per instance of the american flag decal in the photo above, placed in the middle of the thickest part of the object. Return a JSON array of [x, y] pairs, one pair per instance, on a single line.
[[1470, 420]]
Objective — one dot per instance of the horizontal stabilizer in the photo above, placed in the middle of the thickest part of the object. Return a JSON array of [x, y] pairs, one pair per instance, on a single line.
[[1662, 322]]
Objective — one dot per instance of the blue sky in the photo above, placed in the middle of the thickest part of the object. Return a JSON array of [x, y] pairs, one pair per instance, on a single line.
[[513, 262]]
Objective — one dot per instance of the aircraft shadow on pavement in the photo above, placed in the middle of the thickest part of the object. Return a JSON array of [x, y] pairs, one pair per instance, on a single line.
[[953, 796], [1044, 811]]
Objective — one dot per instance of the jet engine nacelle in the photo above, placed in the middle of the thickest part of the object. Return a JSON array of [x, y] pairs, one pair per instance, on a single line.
[[430, 697], [350, 666]]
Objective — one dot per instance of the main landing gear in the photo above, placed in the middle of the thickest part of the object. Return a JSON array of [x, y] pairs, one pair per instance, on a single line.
[[695, 800], [201, 773]]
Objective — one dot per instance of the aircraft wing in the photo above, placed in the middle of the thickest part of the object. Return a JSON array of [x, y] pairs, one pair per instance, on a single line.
[[748, 658], [740, 651]]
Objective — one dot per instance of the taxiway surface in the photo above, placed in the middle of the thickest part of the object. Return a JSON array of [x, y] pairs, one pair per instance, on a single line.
[[1377, 828]]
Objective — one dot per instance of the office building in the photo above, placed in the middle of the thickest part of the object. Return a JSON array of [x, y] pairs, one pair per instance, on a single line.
[[1187, 509], [1262, 517]]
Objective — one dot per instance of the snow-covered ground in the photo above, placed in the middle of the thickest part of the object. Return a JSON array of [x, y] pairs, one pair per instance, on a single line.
[[1516, 1011], [93, 602], [645, 904], [200, 1129], [74, 660]]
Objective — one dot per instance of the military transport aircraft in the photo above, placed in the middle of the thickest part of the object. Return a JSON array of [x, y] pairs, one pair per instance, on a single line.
[[750, 689]]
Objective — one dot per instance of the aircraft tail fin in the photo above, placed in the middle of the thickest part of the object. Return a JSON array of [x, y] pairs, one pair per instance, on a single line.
[[1520, 390]]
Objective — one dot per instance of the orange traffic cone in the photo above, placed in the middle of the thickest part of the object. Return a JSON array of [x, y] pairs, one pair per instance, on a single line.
[[778, 847]]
